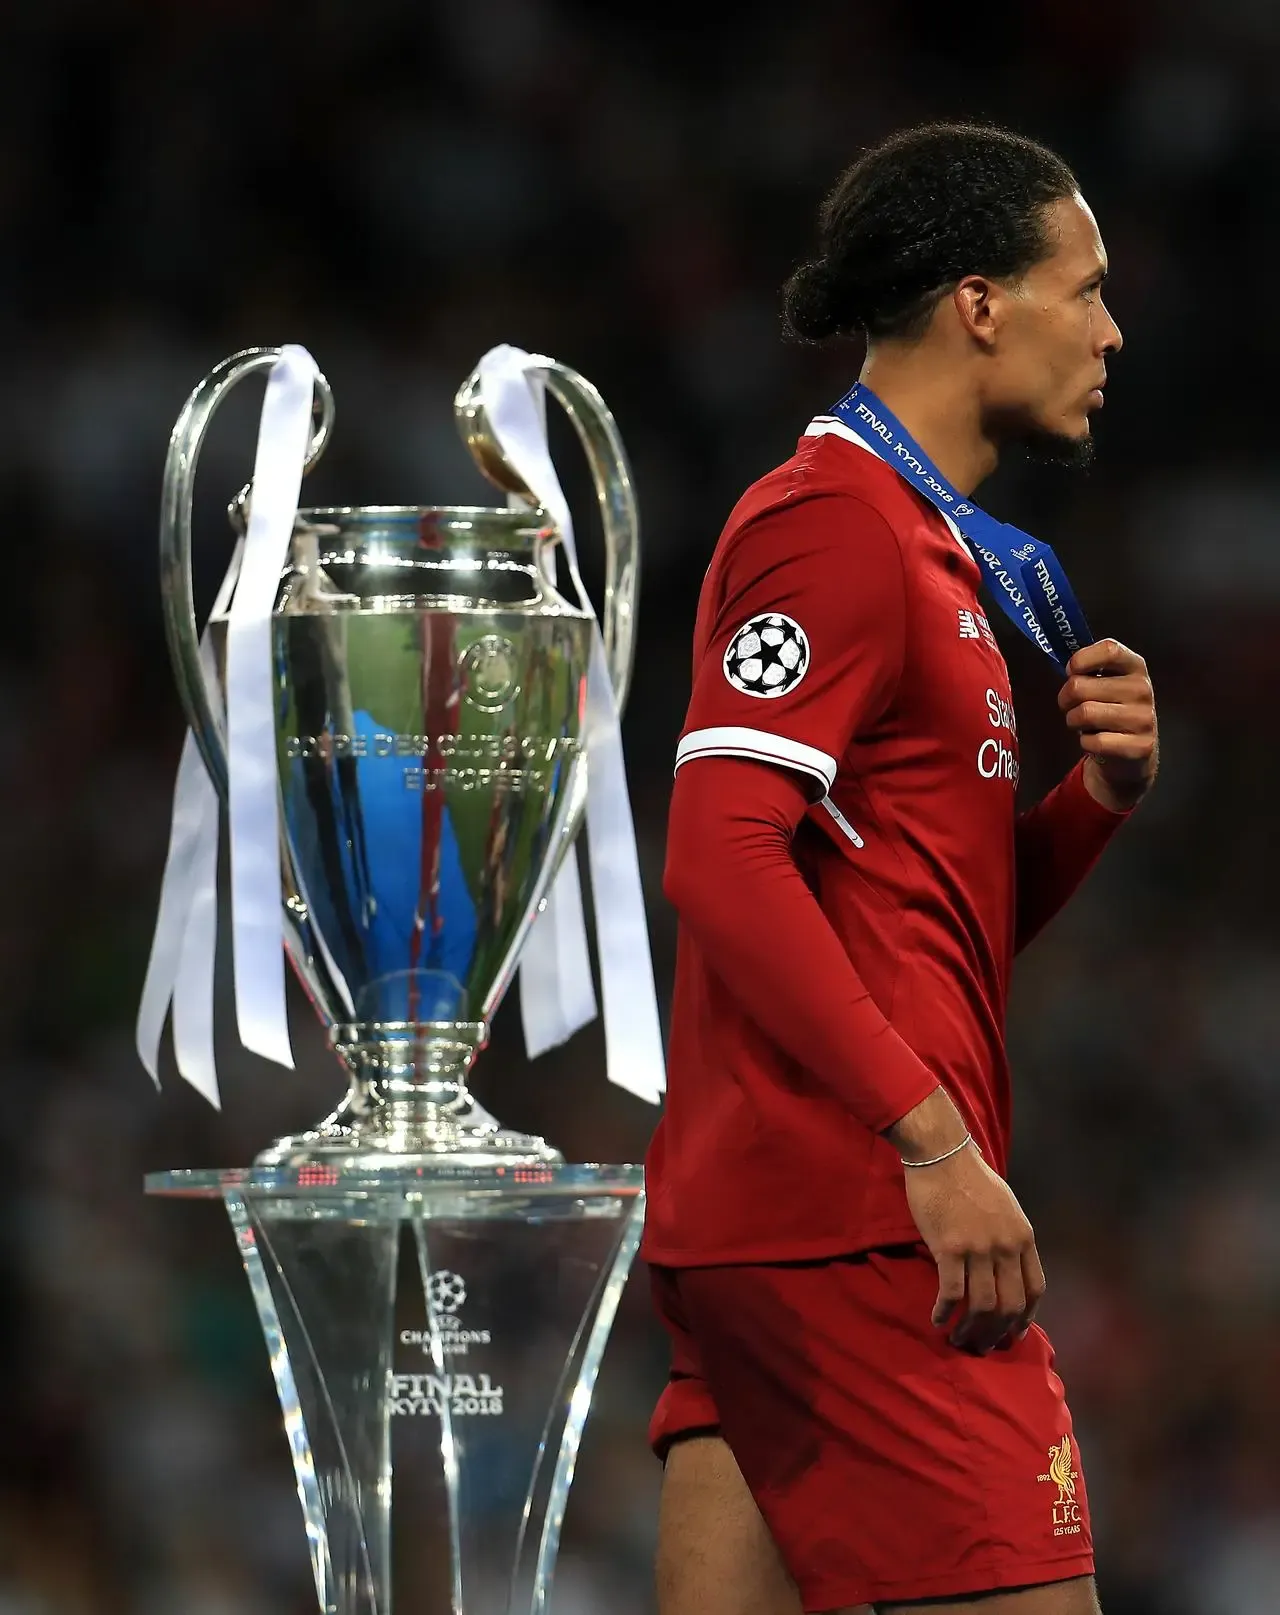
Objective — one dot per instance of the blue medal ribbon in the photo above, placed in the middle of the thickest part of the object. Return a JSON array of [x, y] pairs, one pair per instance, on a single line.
[[1023, 574]]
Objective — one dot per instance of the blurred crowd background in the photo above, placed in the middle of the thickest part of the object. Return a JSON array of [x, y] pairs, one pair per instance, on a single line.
[[399, 185]]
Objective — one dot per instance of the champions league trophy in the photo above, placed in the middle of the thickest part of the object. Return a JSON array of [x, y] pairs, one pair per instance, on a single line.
[[398, 709]]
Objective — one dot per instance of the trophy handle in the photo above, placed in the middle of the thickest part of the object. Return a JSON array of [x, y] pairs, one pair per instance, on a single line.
[[202, 705], [615, 490]]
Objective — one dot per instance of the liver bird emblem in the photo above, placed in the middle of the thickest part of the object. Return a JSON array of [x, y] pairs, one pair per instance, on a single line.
[[1062, 1471]]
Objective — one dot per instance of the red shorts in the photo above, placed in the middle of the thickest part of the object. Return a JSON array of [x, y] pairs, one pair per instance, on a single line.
[[887, 1464]]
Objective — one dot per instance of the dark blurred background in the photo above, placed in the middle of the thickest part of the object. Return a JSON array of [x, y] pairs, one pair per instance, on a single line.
[[399, 185]]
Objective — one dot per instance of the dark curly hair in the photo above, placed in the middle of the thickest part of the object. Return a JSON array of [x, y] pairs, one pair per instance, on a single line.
[[914, 215]]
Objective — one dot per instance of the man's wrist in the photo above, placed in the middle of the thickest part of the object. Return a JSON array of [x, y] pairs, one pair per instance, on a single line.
[[1109, 796], [933, 1128]]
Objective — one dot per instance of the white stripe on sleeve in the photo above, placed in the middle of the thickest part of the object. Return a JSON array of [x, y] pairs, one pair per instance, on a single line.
[[730, 741]]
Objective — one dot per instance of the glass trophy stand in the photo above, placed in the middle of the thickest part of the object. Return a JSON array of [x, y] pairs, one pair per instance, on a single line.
[[444, 1327]]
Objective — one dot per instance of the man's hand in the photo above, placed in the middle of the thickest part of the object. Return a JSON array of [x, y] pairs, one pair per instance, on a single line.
[[1109, 702], [989, 1276]]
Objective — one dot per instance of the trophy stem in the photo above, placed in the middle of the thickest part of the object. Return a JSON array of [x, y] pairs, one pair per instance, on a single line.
[[409, 1104]]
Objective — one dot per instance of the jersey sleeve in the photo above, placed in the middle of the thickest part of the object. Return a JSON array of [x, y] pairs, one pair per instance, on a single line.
[[807, 638], [1057, 843], [731, 875]]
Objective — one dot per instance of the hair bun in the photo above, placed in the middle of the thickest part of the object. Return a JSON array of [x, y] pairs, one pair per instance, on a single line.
[[809, 302]]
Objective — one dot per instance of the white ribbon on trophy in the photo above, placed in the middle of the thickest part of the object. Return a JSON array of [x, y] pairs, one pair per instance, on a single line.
[[182, 951], [556, 995], [180, 969]]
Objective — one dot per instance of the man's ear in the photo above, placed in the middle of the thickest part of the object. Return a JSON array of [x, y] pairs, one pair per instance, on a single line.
[[976, 301]]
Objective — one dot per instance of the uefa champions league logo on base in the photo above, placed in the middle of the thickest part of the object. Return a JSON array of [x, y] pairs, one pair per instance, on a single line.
[[466, 1394], [445, 1294]]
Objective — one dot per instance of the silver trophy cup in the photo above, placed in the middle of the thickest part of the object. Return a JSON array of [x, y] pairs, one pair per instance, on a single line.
[[430, 684]]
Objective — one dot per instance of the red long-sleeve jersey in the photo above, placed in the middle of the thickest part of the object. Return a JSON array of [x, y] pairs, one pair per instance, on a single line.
[[851, 877]]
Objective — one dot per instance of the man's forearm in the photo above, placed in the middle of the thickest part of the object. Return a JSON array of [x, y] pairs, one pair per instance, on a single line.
[[733, 880]]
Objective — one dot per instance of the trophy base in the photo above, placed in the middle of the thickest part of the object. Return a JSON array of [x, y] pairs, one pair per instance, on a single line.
[[435, 1346], [369, 1131]]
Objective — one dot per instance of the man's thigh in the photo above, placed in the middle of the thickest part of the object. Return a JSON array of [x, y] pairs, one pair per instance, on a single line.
[[715, 1554]]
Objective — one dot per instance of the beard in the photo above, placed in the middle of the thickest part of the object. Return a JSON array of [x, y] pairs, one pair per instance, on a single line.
[[1053, 448]]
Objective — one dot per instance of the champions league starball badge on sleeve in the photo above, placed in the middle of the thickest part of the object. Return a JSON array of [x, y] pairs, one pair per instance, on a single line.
[[407, 722]]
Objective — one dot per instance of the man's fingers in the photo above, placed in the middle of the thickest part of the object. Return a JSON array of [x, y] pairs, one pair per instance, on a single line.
[[1133, 748], [1034, 1287], [1108, 717], [999, 1310], [1010, 1287], [950, 1289], [979, 1329], [1129, 689], [984, 1297], [1107, 656]]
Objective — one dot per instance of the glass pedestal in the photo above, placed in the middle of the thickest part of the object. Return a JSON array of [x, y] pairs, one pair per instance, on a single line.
[[444, 1327]]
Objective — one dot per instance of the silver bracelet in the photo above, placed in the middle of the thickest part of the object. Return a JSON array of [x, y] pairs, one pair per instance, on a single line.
[[967, 1139]]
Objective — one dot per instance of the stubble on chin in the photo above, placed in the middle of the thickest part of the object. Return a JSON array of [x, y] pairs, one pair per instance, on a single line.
[[1052, 448]]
